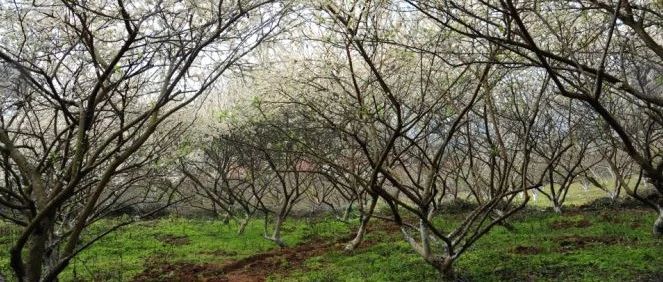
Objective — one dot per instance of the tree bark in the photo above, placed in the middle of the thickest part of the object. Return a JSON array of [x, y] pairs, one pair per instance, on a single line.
[[348, 211], [444, 267], [557, 208], [366, 217], [37, 251], [242, 226], [276, 236], [354, 243], [658, 225]]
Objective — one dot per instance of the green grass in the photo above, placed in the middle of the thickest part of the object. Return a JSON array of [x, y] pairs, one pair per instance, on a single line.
[[123, 254], [575, 197], [494, 258], [386, 257], [8, 233]]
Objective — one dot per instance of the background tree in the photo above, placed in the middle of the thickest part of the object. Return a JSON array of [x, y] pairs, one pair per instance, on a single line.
[[565, 146], [617, 76], [405, 123], [222, 180]]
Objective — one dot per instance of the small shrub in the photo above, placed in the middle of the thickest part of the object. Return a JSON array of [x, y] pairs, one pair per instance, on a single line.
[[601, 204], [457, 206], [651, 195]]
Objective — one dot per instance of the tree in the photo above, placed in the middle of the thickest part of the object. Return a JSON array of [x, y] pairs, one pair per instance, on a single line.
[[94, 82], [224, 179], [274, 138], [564, 146], [599, 53], [406, 124]]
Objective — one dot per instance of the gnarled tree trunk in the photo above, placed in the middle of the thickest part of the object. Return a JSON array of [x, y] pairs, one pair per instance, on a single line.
[[38, 256], [365, 218], [444, 267], [276, 232]]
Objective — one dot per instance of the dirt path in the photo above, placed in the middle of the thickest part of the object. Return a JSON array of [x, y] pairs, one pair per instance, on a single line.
[[256, 267], [253, 268]]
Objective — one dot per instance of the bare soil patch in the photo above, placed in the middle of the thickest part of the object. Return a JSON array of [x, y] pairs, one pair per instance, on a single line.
[[571, 243], [526, 250], [179, 271], [259, 267], [253, 268]]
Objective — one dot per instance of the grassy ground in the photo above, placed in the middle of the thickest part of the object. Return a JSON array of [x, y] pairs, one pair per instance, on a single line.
[[575, 197], [125, 253], [607, 246]]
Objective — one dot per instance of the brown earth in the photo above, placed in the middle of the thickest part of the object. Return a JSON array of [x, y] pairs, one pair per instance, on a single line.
[[571, 243], [526, 250], [253, 268]]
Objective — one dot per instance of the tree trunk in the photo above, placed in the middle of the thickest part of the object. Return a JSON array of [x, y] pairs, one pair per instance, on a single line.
[[444, 267], [557, 208], [36, 251], [352, 245], [504, 223], [242, 226], [658, 225], [226, 219], [366, 217], [276, 236], [36, 256], [348, 211]]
